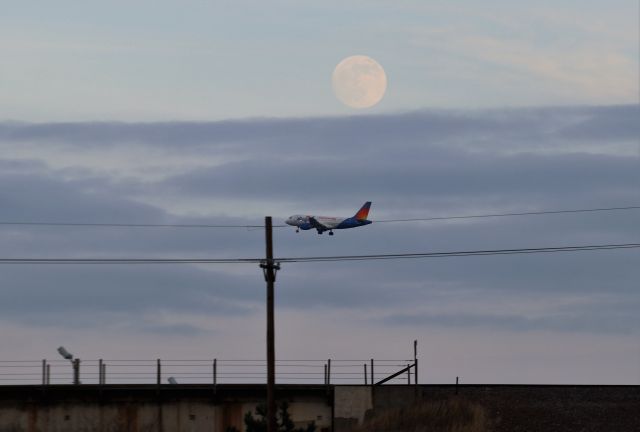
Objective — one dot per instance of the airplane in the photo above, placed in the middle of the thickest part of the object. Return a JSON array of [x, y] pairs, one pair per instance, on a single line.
[[325, 223]]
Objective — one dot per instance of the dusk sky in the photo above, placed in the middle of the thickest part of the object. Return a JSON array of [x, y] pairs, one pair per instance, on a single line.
[[201, 112]]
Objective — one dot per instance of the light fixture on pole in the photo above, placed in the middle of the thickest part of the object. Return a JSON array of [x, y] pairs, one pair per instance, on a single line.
[[65, 354], [75, 363]]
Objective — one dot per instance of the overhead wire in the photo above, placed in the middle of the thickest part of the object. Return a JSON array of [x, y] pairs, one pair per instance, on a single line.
[[132, 225], [250, 226], [422, 255], [461, 253], [493, 215], [130, 260]]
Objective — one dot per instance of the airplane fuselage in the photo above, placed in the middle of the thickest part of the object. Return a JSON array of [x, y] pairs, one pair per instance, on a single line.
[[303, 222], [329, 223]]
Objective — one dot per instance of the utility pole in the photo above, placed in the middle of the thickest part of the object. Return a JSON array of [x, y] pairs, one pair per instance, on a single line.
[[269, 268]]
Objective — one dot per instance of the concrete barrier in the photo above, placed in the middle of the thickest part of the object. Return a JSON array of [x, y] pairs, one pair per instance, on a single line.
[[195, 408]]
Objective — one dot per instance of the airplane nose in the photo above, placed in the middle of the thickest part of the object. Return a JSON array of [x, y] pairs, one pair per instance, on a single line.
[[289, 221]]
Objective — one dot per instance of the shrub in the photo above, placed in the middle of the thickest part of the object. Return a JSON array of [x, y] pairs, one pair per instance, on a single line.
[[453, 415]]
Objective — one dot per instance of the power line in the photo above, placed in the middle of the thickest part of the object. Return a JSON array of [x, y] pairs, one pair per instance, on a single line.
[[461, 253], [151, 225], [131, 225], [421, 255], [492, 215], [130, 260]]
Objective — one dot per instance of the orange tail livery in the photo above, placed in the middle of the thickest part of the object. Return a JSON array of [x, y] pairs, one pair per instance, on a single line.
[[363, 212]]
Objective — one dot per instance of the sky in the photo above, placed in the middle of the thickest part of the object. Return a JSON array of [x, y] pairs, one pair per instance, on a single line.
[[218, 112]]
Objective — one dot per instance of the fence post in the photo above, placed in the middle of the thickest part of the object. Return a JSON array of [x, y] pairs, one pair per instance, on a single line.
[[415, 361], [100, 372], [44, 372], [372, 376], [408, 374], [215, 375], [158, 376], [76, 371], [365, 375], [48, 374], [415, 370], [328, 374]]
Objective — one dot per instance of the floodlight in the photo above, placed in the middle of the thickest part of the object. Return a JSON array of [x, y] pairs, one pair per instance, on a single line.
[[64, 353]]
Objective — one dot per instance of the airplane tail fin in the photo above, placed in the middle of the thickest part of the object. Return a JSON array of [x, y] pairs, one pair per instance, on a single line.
[[363, 212]]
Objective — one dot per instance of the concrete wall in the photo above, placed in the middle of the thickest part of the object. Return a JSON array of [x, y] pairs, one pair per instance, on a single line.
[[198, 408], [80, 409], [351, 404], [80, 417], [142, 417]]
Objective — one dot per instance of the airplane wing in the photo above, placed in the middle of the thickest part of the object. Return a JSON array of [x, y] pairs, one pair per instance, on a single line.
[[317, 225]]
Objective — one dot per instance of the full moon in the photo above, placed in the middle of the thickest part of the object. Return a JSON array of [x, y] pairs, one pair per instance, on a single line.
[[359, 81]]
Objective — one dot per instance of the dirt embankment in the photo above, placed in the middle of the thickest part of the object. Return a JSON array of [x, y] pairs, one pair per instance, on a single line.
[[513, 408]]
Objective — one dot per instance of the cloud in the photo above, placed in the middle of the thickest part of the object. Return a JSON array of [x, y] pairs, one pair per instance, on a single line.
[[618, 322], [539, 53], [180, 162], [427, 163], [431, 174], [334, 132]]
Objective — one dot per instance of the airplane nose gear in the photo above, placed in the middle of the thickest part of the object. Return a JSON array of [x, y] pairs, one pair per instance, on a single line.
[[330, 232], [297, 230]]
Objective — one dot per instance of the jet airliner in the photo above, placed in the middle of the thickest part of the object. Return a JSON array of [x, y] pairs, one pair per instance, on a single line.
[[326, 223]]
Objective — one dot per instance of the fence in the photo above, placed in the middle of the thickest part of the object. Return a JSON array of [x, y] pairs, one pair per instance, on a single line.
[[213, 371]]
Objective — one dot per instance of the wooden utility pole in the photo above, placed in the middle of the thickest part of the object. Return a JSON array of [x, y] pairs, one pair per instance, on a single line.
[[269, 268]]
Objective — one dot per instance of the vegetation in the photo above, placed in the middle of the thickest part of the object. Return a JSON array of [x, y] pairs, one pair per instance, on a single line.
[[454, 415], [285, 424]]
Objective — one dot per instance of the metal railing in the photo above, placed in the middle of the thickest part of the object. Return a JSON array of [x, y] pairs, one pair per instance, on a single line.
[[211, 371]]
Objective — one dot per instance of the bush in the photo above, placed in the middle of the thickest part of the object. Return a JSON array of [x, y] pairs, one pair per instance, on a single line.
[[283, 419], [454, 415]]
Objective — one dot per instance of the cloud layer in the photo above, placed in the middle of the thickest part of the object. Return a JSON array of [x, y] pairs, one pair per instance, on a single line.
[[427, 163]]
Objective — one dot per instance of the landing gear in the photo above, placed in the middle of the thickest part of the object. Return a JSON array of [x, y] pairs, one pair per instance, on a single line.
[[319, 232], [297, 230], [330, 232]]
